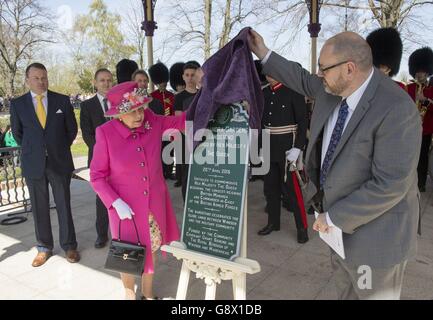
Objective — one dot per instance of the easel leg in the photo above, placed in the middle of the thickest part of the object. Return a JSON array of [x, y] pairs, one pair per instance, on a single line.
[[239, 286], [210, 291], [183, 282]]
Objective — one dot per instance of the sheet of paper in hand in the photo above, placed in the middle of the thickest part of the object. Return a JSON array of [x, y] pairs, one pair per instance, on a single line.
[[334, 239]]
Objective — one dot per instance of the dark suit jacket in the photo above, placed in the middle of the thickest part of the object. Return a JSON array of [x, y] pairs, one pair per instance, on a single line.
[[91, 117], [37, 143]]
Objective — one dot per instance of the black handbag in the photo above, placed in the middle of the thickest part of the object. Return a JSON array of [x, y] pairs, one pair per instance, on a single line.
[[126, 257]]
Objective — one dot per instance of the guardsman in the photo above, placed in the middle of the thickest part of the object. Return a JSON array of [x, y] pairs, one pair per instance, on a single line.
[[387, 50], [285, 116], [176, 80], [159, 75], [420, 68]]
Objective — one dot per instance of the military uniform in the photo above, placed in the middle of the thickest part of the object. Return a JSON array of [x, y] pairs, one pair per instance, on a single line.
[[159, 74], [167, 100], [427, 128], [285, 116], [421, 60]]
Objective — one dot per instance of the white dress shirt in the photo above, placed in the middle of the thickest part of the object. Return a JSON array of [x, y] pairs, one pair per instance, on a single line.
[[44, 101], [101, 101], [352, 102]]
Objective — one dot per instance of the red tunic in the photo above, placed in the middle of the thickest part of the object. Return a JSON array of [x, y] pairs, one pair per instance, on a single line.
[[427, 125], [167, 100]]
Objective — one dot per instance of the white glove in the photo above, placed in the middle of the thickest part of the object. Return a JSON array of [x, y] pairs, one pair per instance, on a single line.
[[293, 154], [123, 210]]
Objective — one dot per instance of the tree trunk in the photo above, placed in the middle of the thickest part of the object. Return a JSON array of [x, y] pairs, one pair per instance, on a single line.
[[141, 55], [207, 31], [389, 14], [227, 25]]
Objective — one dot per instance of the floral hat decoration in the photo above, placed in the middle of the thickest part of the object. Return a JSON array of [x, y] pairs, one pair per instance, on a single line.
[[126, 97]]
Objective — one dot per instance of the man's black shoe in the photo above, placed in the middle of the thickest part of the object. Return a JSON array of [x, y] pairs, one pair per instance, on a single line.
[[100, 243], [268, 229]]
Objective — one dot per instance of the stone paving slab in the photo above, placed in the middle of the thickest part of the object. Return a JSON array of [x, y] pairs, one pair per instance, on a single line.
[[289, 270]]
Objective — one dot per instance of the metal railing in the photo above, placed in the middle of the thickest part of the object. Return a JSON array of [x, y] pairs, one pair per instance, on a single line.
[[14, 193]]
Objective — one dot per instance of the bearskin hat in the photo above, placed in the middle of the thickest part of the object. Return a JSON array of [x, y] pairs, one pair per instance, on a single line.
[[421, 60], [386, 48], [124, 70], [176, 72], [258, 65], [158, 73]]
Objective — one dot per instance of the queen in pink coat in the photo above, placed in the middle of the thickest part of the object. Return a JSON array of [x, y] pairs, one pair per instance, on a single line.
[[126, 173]]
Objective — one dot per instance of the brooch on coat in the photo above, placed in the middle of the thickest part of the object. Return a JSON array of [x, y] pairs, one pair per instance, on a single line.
[[147, 125]]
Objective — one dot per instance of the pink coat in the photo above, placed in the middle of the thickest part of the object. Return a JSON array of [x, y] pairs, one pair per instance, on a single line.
[[127, 165]]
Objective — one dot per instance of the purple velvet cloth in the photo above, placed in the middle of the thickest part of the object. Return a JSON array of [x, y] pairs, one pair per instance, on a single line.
[[230, 76]]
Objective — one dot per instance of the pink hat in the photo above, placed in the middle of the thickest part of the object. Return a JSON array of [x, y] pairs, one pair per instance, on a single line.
[[126, 97]]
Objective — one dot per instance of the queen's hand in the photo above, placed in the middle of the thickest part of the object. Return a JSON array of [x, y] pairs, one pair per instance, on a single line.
[[122, 209]]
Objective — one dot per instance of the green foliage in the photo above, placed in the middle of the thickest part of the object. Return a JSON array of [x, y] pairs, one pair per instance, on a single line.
[[106, 44], [4, 122], [8, 173], [85, 81]]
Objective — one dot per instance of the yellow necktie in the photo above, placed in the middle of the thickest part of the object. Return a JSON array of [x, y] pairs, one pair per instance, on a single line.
[[40, 111]]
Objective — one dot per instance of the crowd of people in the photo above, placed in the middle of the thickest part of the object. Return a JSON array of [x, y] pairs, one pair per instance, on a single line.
[[362, 145]]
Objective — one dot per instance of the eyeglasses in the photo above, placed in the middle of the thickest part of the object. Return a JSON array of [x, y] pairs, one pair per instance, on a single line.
[[323, 70]]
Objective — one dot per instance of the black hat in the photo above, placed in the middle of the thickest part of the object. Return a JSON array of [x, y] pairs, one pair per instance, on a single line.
[[421, 60], [124, 70], [258, 65], [176, 72], [158, 73], [386, 48]]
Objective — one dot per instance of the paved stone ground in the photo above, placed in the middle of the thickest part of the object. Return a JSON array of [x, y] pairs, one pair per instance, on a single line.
[[289, 270]]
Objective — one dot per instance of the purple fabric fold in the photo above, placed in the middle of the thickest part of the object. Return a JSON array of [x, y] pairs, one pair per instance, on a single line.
[[230, 76]]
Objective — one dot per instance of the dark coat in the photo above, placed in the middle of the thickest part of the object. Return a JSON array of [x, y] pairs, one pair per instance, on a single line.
[[38, 143], [91, 117]]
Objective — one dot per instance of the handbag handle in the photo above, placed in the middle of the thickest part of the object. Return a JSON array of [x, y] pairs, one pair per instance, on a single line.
[[136, 231]]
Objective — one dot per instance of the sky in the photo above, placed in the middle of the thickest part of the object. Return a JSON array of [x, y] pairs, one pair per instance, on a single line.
[[66, 10]]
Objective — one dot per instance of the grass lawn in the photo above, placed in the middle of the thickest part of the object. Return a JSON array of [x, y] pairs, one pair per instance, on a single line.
[[79, 148]]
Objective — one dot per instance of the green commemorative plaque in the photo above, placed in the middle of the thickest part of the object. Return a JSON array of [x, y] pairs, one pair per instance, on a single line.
[[214, 204]]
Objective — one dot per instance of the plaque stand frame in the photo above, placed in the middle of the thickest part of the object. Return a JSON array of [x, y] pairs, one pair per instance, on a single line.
[[213, 269]]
